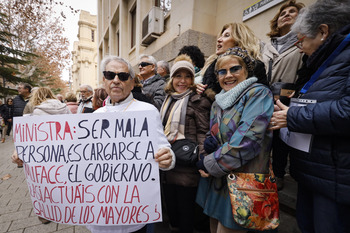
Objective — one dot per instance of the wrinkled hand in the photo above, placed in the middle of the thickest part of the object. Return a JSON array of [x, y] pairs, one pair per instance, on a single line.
[[210, 144], [279, 117], [200, 88], [163, 157]]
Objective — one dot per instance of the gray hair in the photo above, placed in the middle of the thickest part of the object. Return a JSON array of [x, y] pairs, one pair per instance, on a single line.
[[334, 13], [108, 59], [88, 87], [164, 65], [151, 59]]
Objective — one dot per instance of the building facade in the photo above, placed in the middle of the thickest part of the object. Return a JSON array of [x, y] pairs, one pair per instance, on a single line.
[[84, 54], [129, 28]]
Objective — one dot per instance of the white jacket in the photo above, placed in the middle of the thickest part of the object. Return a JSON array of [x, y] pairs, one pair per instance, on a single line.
[[51, 107], [131, 104]]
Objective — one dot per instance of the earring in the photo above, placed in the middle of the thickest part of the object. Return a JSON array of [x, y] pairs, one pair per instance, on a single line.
[[321, 39]]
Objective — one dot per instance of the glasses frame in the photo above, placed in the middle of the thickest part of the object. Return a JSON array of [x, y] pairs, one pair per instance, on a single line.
[[237, 69], [108, 74], [299, 43], [143, 64]]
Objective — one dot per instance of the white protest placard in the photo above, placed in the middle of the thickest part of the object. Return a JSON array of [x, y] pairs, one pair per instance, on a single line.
[[299, 141], [94, 169]]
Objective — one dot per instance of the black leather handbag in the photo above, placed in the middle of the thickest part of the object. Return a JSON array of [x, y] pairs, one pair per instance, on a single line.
[[283, 91], [186, 152]]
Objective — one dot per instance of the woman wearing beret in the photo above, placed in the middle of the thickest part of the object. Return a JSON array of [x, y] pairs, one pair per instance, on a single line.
[[239, 141]]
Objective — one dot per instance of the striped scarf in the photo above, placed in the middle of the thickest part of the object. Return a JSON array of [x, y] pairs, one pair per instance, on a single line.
[[175, 124]]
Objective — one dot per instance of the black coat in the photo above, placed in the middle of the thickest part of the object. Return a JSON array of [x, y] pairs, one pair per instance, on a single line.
[[326, 169], [18, 106], [4, 112]]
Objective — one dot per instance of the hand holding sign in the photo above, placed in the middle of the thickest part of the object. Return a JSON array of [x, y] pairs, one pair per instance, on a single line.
[[163, 157]]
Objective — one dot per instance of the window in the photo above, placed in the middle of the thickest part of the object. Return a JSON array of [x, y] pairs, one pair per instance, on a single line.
[[92, 35], [133, 27], [165, 5]]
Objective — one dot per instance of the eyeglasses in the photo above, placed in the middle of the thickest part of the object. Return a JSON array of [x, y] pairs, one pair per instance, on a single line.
[[299, 43], [233, 70], [143, 64], [123, 76]]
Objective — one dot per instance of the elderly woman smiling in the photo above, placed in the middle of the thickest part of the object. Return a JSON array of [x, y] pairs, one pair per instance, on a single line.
[[239, 140], [322, 173]]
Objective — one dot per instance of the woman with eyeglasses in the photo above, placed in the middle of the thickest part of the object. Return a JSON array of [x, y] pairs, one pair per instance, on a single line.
[[282, 61], [185, 115], [231, 35], [321, 164], [240, 138]]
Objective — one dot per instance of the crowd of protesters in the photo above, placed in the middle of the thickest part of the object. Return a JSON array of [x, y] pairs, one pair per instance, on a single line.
[[237, 106]]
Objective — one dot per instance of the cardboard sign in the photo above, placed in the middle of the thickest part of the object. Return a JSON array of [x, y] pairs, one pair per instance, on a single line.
[[94, 169]]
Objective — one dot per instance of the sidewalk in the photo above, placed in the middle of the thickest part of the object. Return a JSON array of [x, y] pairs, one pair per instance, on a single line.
[[16, 211]]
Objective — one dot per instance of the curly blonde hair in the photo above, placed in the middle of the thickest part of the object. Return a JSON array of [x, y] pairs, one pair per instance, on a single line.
[[243, 37], [41, 95]]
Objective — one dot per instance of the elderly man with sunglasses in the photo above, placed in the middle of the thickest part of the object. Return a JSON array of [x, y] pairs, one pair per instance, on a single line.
[[118, 78], [153, 83]]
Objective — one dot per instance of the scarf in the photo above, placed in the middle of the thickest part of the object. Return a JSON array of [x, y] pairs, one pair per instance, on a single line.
[[86, 100], [175, 125], [283, 43], [227, 99]]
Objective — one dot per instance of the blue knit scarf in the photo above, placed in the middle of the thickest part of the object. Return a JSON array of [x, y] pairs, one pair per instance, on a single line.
[[226, 99]]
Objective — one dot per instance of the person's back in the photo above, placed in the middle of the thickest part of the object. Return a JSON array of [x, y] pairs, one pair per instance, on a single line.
[[51, 107], [100, 94], [44, 103], [71, 102]]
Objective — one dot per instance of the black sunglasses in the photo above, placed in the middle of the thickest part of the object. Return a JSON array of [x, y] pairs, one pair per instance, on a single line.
[[223, 72], [123, 76], [143, 64]]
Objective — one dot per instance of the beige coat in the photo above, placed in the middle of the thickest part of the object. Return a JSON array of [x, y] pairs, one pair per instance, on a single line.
[[284, 66]]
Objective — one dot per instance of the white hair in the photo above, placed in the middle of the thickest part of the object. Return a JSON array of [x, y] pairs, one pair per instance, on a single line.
[[150, 59], [108, 59]]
